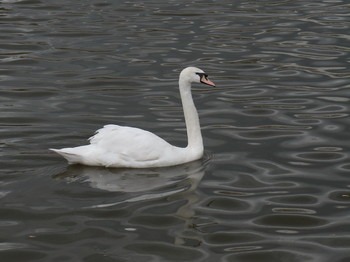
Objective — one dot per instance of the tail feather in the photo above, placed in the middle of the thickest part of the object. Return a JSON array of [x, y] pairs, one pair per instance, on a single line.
[[71, 157]]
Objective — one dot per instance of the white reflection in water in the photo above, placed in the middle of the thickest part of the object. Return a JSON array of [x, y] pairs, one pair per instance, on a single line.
[[142, 184]]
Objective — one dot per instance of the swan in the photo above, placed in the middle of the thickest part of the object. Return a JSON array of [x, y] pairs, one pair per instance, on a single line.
[[130, 147]]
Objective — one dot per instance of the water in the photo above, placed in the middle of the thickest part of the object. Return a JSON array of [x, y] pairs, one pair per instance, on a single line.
[[274, 184]]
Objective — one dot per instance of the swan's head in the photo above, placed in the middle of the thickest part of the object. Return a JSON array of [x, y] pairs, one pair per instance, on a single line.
[[196, 75]]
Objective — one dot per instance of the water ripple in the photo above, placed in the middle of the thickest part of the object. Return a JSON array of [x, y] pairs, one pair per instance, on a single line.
[[274, 185]]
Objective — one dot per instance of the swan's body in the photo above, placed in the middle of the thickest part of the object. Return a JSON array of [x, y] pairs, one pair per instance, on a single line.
[[121, 146]]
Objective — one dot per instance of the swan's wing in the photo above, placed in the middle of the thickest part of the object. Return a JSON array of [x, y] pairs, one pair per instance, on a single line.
[[129, 143]]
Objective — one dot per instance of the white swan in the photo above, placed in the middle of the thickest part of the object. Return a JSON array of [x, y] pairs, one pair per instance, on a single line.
[[122, 146]]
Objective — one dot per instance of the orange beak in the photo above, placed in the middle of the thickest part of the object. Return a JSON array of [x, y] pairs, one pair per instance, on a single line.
[[206, 81]]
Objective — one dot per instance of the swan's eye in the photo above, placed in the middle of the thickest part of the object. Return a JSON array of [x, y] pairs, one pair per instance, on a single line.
[[201, 75]]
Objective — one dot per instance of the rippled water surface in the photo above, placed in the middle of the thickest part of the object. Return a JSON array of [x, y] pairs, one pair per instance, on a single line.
[[275, 182]]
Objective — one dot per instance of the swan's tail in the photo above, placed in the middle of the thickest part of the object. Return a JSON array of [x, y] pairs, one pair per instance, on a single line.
[[72, 155]]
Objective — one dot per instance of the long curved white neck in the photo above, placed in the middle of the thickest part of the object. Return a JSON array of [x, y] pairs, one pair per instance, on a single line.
[[194, 135]]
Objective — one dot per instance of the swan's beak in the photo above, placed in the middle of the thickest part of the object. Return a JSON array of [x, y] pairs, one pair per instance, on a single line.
[[205, 80]]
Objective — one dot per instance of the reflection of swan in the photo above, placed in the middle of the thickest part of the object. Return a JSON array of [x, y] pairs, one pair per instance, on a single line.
[[118, 146], [140, 184]]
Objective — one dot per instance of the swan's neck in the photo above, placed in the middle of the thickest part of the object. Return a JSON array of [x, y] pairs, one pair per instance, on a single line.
[[194, 135]]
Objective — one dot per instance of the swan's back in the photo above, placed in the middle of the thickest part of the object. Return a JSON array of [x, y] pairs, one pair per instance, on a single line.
[[130, 142]]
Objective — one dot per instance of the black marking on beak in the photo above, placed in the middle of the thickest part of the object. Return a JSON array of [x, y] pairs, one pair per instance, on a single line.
[[204, 79]]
